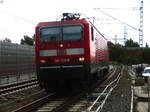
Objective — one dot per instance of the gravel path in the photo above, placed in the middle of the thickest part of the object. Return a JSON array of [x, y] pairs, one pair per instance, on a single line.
[[120, 98]]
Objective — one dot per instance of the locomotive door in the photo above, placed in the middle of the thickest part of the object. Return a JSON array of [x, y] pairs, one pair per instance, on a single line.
[[61, 52]]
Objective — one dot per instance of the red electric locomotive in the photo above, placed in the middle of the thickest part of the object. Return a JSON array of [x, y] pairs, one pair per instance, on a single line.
[[69, 50]]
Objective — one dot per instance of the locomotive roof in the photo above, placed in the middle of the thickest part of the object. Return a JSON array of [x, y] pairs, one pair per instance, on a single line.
[[80, 21], [63, 22]]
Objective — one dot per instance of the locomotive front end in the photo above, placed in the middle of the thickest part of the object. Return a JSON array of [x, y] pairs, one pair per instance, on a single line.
[[61, 51]]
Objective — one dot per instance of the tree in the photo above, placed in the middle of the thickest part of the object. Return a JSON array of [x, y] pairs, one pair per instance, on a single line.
[[147, 45], [6, 40], [110, 44], [116, 52], [27, 40], [131, 43], [145, 55]]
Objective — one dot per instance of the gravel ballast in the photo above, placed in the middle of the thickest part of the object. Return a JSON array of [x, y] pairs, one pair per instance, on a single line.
[[120, 98]]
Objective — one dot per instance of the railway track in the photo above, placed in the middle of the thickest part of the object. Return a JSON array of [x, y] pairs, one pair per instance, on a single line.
[[101, 96], [12, 88], [29, 107], [89, 99], [18, 94]]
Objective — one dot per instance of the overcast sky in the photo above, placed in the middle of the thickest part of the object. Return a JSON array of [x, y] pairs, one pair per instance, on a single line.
[[19, 17]]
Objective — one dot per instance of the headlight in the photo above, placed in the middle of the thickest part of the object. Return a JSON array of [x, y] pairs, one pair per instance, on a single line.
[[42, 61], [81, 59]]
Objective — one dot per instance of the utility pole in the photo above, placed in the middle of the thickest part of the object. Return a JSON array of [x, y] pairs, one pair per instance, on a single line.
[[125, 34], [115, 39], [141, 25]]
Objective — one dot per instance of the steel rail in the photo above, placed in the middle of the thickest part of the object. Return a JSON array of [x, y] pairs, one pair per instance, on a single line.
[[15, 84], [73, 100], [101, 106], [32, 106], [63, 107], [18, 86], [110, 86]]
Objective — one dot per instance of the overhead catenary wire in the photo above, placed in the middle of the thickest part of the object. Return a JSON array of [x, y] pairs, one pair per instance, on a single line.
[[114, 18], [18, 17], [134, 8]]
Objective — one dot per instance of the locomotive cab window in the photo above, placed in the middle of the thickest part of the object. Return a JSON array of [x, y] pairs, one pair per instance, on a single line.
[[61, 33], [50, 34], [71, 33]]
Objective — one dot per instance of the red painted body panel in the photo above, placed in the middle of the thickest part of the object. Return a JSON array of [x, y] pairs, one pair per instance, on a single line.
[[95, 51]]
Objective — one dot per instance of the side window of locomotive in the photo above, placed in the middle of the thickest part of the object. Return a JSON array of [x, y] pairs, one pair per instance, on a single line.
[[71, 33], [92, 33], [50, 34]]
